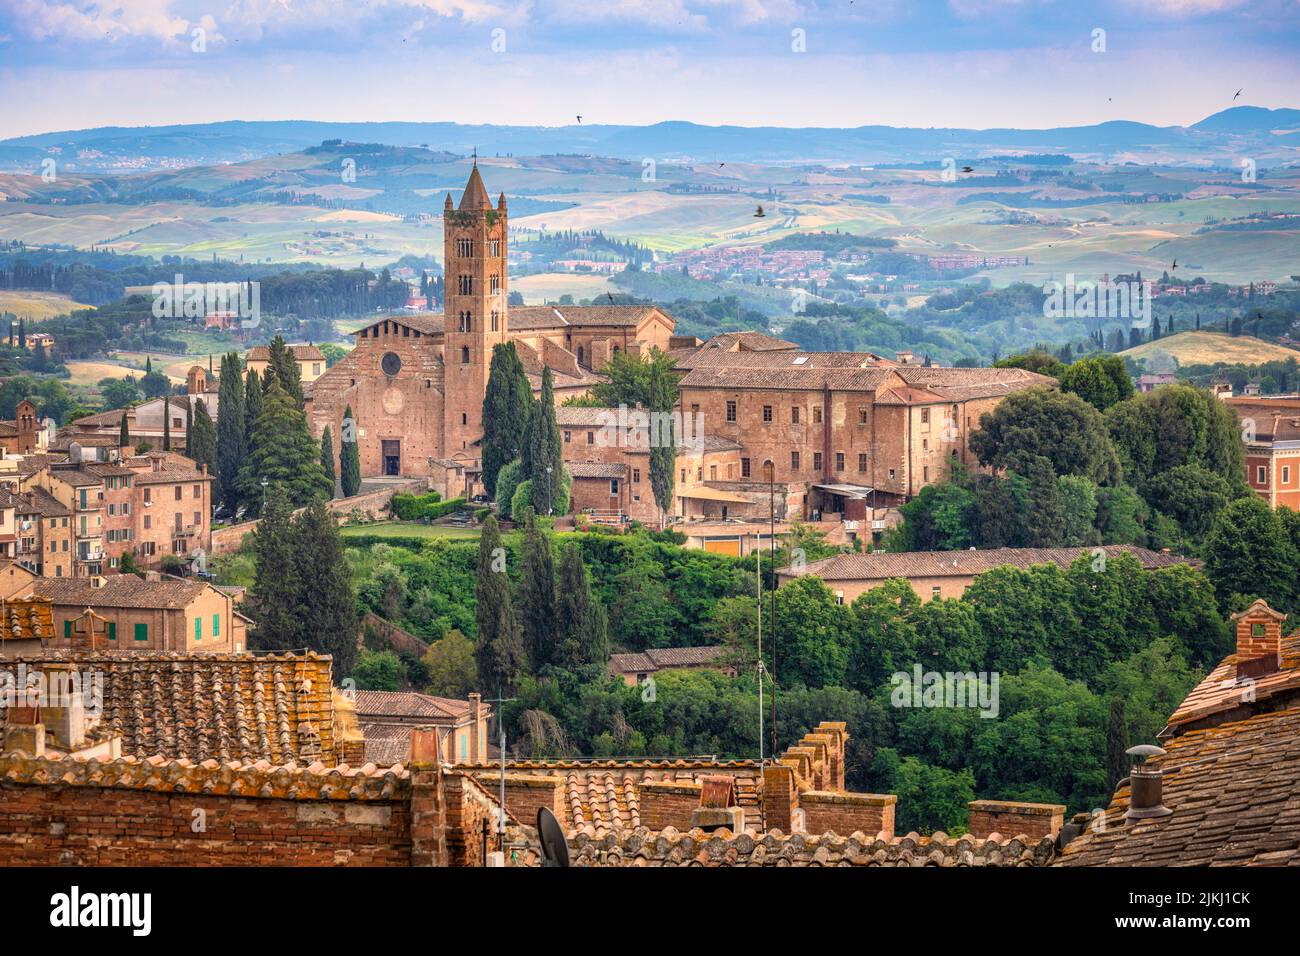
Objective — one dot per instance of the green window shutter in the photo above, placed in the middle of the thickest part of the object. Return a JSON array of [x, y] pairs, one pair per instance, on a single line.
[[67, 632], [142, 632], [198, 628], [216, 625], [112, 631]]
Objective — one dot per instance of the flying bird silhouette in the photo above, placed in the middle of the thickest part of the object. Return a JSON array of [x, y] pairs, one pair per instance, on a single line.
[[968, 169], [1238, 93], [579, 120]]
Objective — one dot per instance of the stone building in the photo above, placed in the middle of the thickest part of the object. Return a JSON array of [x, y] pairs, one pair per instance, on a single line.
[[416, 383], [1270, 428]]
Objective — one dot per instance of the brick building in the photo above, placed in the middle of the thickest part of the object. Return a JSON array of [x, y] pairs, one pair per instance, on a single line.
[[416, 382], [1271, 429], [44, 534], [24, 435]]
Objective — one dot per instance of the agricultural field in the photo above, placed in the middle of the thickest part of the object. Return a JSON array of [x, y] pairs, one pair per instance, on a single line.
[[37, 306], [1208, 348], [550, 286]]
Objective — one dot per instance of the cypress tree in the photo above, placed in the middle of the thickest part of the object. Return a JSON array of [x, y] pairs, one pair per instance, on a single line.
[[202, 445], [1116, 743], [232, 430], [167, 423], [536, 595], [327, 458], [580, 619], [273, 600], [252, 406], [350, 456], [124, 432], [499, 650], [189, 426], [283, 453], [545, 457], [326, 602], [663, 451], [506, 406]]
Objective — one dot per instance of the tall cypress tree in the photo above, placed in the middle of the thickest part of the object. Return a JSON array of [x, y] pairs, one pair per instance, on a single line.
[[536, 595], [286, 369], [663, 451], [202, 442], [273, 600], [167, 423], [283, 453], [350, 456], [326, 602], [252, 406], [124, 432], [545, 457], [580, 620], [327, 458], [499, 651], [506, 406], [232, 430]]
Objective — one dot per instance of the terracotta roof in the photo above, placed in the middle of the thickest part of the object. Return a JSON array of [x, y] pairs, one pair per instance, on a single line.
[[525, 318], [120, 591], [393, 704], [670, 847], [25, 619], [1233, 792], [475, 194], [881, 565], [38, 501], [221, 706], [301, 353], [814, 378], [595, 469], [172, 468], [579, 416], [664, 658], [1221, 693]]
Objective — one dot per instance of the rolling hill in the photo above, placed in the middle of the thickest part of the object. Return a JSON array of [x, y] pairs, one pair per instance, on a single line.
[[1208, 348]]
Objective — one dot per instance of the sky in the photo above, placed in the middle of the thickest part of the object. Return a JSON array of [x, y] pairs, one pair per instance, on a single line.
[[72, 64]]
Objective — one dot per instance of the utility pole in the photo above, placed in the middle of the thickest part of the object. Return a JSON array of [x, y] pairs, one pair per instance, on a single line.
[[771, 504], [501, 727], [758, 595]]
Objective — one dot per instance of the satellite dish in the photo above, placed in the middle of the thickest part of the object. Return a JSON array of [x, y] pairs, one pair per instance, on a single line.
[[555, 851]]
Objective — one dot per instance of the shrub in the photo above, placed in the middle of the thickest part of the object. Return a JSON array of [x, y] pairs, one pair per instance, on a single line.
[[419, 507]]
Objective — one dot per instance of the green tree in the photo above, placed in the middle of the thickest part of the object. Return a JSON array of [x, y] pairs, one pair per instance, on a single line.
[[580, 621], [283, 453], [1117, 744], [662, 385], [118, 392], [507, 405], [544, 460], [451, 667], [326, 601], [813, 634], [1100, 381], [1041, 422], [499, 648], [124, 431], [1078, 497], [535, 597], [273, 599], [350, 456], [508, 480], [327, 457], [378, 670], [232, 430], [167, 424], [1248, 552], [936, 797], [201, 443], [1192, 496], [938, 519]]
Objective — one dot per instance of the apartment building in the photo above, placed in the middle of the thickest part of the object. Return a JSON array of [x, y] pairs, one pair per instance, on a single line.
[[1271, 430], [44, 528], [172, 503]]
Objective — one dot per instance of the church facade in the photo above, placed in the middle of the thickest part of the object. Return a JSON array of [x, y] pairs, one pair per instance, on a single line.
[[415, 383]]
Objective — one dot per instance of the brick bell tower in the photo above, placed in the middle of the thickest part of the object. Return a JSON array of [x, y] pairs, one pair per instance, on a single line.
[[474, 311]]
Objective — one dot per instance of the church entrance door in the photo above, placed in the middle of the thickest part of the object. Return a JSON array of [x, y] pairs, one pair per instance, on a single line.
[[392, 452]]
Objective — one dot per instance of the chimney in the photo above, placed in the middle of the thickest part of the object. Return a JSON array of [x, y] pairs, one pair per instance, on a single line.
[[1259, 640], [475, 723], [1146, 786], [718, 809]]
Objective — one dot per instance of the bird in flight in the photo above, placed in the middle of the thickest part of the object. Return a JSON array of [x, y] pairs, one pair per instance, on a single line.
[[579, 120], [1238, 93], [968, 169], [1174, 266]]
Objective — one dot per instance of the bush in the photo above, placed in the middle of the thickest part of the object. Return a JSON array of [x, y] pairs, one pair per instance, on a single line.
[[419, 507], [520, 501], [508, 479]]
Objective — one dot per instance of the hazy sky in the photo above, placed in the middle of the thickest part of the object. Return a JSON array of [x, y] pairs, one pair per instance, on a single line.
[[967, 63]]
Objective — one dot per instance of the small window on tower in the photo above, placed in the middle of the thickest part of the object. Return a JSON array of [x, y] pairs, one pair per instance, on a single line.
[[464, 355]]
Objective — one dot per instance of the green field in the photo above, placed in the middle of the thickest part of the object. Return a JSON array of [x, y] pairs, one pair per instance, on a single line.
[[409, 529]]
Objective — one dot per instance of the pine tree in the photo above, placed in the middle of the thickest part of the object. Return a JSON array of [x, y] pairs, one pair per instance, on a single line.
[[232, 430], [326, 602], [350, 456], [124, 432], [536, 595], [545, 459], [1116, 743], [499, 650], [663, 451], [506, 407], [273, 600], [283, 453], [202, 443], [580, 620], [252, 406], [167, 423], [327, 457]]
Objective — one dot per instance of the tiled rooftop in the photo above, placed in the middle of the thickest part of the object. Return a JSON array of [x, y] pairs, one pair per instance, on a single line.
[[120, 590]]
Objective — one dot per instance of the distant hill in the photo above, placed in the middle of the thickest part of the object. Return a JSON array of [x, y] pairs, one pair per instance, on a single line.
[[1208, 348], [153, 147]]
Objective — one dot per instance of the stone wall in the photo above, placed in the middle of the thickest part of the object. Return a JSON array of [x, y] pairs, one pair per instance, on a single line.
[[373, 504], [668, 803], [846, 813], [1008, 818]]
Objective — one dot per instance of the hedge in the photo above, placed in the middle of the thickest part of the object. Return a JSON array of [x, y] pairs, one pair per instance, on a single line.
[[430, 505]]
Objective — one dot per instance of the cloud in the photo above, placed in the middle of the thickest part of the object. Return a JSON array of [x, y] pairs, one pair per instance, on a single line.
[[55, 21]]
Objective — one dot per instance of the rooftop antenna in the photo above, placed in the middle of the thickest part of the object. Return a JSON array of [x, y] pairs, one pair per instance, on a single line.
[[501, 727]]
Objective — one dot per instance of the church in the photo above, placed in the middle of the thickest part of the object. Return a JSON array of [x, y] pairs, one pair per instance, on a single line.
[[415, 383]]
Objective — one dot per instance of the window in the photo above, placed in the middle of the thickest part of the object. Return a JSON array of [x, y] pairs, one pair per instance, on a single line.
[[142, 632], [216, 628], [464, 355], [494, 247], [744, 468], [925, 473], [839, 597], [177, 492], [862, 414], [925, 444], [198, 519], [613, 486], [713, 472], [817, 461], [148, 496], [767, 413], [794, 415], [891, 474], [1257, 630], [1286, 474], [731, 417], [464, 418], [198, 491], [568, 437], [862, 461], [925, 416], [817, 414], [198, 628], [636, 475], [112, 630], [148, 522], [794, 461], [67, 632], [934, 591], [591, 438], [1261, 477], [839, 461]]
